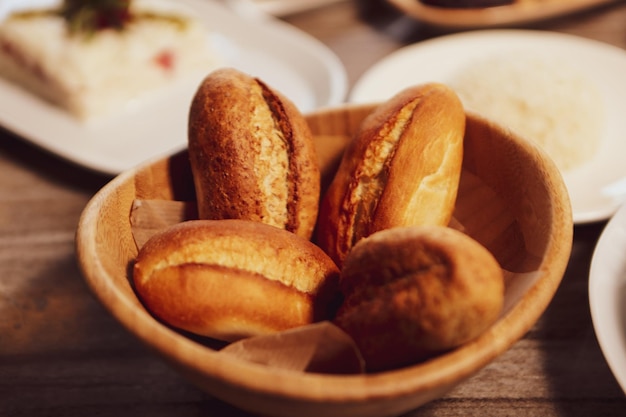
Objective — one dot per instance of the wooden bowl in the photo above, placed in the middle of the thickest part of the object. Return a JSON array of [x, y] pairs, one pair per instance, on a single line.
[[512, 199], [519, 12]]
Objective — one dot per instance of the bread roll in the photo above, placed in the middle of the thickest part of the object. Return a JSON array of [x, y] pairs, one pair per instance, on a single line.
[[413, 292], [402, 168], [230, 279], [252, 154]]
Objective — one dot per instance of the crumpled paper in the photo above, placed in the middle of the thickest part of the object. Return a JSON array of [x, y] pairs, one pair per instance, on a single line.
[[321, 347]]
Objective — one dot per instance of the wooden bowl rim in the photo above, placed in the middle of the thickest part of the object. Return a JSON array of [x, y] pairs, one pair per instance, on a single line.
[[444, 370]]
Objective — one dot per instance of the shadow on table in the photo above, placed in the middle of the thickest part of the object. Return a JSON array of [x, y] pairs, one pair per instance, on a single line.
[[580, 378]]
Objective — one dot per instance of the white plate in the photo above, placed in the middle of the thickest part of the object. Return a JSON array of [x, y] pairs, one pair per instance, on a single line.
[[596, 189], [607, 294], [287, 59]]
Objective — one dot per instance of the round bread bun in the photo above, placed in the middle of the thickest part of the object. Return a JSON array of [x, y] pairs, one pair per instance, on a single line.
[[414, 292], [231, 279], [402, 168], [248, 141]]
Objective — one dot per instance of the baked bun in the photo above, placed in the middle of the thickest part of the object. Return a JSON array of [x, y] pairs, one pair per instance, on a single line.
[[252, 154], [402, 168], [230, 279], [411, 293]]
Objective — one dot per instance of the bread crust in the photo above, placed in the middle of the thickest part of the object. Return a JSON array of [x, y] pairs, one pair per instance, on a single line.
[[230, 279], [414, 292], [402, 168], [252, 154]]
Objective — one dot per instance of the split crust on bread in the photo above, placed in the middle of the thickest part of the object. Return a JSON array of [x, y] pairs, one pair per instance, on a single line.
[[402, 168], [252, 154]]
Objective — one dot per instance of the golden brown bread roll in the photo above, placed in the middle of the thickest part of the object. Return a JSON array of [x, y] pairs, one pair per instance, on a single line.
[[252, 154], [402, 168], [230, 279], [413, 292]]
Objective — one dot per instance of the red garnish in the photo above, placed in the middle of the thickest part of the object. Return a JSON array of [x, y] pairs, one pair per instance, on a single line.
[[165, 60]]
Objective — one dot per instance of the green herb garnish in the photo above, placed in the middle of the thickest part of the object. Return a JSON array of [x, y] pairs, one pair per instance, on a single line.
[[90, 16]]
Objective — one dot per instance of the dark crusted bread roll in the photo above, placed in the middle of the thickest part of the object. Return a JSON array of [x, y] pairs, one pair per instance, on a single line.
[[411, 293], [252, 154]]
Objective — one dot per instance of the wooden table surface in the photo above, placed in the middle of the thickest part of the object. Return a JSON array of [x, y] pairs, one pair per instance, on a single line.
[[61, 354]]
